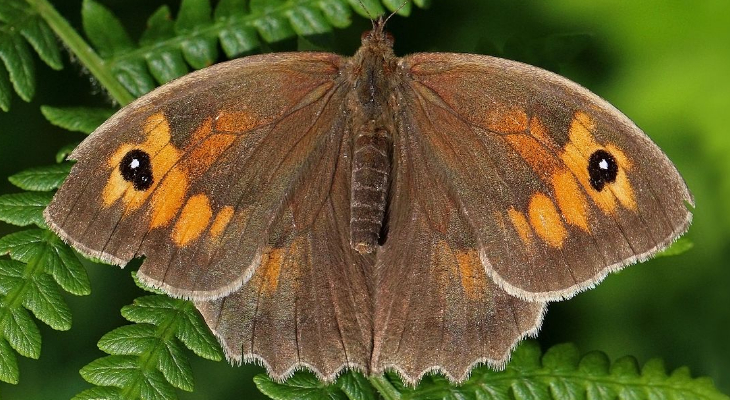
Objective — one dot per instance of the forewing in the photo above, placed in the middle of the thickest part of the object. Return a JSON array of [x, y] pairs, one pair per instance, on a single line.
[[513, 144], [228, 146], [308, 304], [435, 306]]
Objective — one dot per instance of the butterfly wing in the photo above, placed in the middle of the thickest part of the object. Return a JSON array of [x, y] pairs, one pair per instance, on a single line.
[[435, 306], [558, 187], [308, 304], [226, 148]]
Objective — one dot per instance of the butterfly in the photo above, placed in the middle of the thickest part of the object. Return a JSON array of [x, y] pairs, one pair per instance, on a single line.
[[374, 213]]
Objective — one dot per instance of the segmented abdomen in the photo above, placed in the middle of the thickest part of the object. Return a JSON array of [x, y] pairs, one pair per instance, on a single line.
[[369, 190]]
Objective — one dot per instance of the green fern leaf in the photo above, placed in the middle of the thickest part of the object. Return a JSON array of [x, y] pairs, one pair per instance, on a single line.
[[44, 178], [44, 300], [199, 48], [149, 353], [356, 386], [100, 393], [170, 46], [367, 8], [61, 262], [16, 56], [6, 90], [130, 340], [24, 209], [11, 274], [27, 283], [195, 335], [168, 63], [190, 329], [682, 245], [303, 385], [117, 371], [104, 30], [63, 153], [19, 17], [559, 373], [9, 371], [20, 25], [174, 365], [139, 339], [56, 258], [23, 245], [77, 119], [20, 331], [236, 38]]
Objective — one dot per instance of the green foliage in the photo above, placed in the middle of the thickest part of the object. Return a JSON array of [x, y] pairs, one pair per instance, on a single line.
[[39, 266], [304, 385], [170, 47], [77, 119], [146, 359], [559, 373], [682, 245], [21, 25]]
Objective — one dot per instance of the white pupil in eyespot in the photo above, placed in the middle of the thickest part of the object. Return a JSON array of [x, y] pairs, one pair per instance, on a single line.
[[603, 164], [134, 164]]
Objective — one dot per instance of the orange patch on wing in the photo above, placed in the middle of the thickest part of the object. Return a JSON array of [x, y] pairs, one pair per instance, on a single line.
[[546, 221], [158, 133], [271, 267], [207, 152], [235, 121], [461, 267], [571, 201], [507, 121], [580, 133], [203, 131], [168, 198], [221, 221], [193, 220], [535, 154], [623, 191], [539, 132], [471, 271], [521, 226]]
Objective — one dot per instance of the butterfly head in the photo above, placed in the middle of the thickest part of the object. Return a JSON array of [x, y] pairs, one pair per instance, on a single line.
[[378, 36]]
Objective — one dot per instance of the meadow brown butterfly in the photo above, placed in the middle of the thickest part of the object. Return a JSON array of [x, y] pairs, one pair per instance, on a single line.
[[373, 212]]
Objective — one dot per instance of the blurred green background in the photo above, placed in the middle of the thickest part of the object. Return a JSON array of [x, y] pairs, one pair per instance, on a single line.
[[666, 64]]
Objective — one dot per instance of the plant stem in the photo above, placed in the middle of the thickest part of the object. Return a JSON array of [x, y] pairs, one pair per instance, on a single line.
[[85, 54], [384, 387]]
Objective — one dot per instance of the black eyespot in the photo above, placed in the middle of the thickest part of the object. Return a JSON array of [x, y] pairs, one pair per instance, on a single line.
[[602, 169], [137, 168]]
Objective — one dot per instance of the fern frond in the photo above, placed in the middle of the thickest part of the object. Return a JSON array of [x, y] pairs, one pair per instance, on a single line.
[[559, 373], [39, 263], [29, 281], [147, 359], [20, 26], [170, 47]]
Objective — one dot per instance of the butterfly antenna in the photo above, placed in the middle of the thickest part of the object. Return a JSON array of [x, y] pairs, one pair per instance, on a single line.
[[403, 4], [372, 20]]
